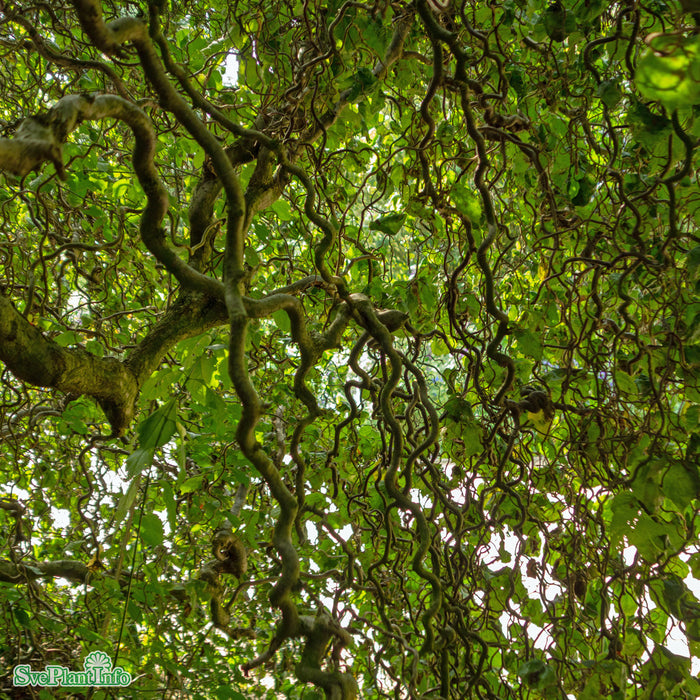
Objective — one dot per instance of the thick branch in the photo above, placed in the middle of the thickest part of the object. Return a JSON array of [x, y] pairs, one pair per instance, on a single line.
[[33, 145], [109, 37], [190, 315], [319, 631], [39, 138], [72, 570], [34, 358], [380, 71]]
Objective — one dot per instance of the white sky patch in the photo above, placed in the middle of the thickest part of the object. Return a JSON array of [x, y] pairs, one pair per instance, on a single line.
[[312, 534], [628, 555], [675, 641], [230, 75], [60, 517], [114, 482]]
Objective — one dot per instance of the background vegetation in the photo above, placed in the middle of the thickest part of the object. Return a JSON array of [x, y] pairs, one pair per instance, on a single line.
[[351, 349]]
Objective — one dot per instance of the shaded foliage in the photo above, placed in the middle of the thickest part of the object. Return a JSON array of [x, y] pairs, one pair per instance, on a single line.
[[351, 349]]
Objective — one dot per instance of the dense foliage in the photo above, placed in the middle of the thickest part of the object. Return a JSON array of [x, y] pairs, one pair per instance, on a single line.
[[351, 349]]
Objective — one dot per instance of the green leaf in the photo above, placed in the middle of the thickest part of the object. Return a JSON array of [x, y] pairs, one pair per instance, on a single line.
[[363, 80], [22, 617], [389, 224], [170, 505], [151, 529], [529, 343], [156, 430], [681, 484], [609, 93], [624, 508], [693, 261], [673, 590], [192, 484], [647, 536], [458, 409], [139, 460], [281, 319], [68, 338], [626, 383], [537, 674], [669, 71], [126, 501], [558, 22], [467, 202], [581, 190]]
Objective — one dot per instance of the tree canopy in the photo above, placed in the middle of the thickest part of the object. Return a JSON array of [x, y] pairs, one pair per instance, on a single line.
[[351, 349]]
